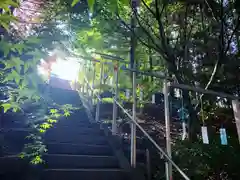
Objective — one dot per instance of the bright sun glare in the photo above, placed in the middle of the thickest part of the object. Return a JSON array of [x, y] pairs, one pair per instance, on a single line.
[[63, 69], [67, 70]]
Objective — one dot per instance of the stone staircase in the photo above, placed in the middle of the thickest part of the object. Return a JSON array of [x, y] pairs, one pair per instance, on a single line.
[[77, 150]]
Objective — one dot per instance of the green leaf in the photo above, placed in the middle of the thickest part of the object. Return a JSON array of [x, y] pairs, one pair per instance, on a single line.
[[91, 4], [12, 3], [23, 93], [36, 160], [15, 107], [52, 121], [13, 75], [6, 107], [42, 130], [74, 2], [5, 25], [24, 84], [66, 113], [21, 155], [57, 115], [45, 126], [26, 67], [53, 111]]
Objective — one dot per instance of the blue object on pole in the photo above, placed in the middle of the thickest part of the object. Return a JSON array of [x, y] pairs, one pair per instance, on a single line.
[[183, 114], [223, 136], [123, 67]]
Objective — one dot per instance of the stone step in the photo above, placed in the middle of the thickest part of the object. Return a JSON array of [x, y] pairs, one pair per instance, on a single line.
[[86, 174], [83, 149], [13, 164], [76, 125], [72, 131], [77, 139], [13, 140], [58, 161]]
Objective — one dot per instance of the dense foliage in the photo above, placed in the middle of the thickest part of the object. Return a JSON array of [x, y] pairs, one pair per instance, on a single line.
[[23, 89], [195, 42]]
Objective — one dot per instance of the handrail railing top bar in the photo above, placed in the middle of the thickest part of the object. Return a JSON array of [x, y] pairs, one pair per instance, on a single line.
[[157, 75], [111, 57], [152, 141], [203, 91], [183, 86], [98, 61]]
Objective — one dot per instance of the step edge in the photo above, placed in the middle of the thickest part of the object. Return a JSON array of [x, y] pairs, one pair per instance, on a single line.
[[84, 169], [79, 155], [80, 144]]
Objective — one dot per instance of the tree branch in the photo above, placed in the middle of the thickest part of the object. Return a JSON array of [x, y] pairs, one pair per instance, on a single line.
[[148, 8], [148, 25], [162, 33], [148, 34], [140, 40], [234, 31]]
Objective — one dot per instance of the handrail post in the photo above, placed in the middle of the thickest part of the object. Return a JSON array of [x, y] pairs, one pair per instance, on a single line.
[[133, 125], [167, 127], [148, 164], [114, 121], [133, 42], [93, 81], [98, 101]]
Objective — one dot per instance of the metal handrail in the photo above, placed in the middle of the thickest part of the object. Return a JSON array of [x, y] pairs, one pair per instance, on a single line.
[[152, 141], [92, 89], [144, 132]]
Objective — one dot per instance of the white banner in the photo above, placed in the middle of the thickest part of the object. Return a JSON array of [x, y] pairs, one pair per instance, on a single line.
[[153, 98], [236, 112], [141, 95], [205, 135], [127, 93]]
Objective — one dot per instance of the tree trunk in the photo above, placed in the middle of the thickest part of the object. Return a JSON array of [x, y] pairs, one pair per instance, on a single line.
[[193, 122]]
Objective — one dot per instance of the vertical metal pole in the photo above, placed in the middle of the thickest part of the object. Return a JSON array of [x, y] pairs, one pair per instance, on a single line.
[[92, 91], [133, 65], [148, 162], [98, 101], [114, 121], [83, 85], [93, 81], [167, 127], [133, 125]]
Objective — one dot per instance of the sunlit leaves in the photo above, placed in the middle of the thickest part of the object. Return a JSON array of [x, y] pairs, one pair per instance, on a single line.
[[66, 113], [41, 130], [37, 160], [91, 4], [52, 121], [7, 17], [6, 107], [26, 93], [45, 125], [20, 61], [5, 4], [74, 2], [53, 111], [5, 20], [12, 76]]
